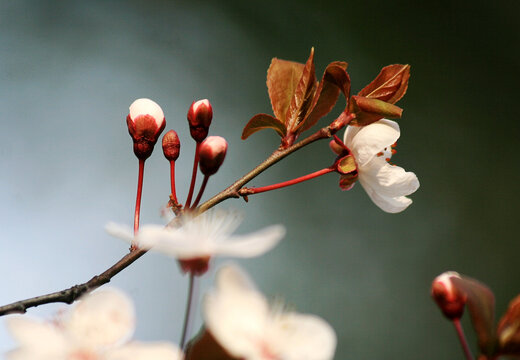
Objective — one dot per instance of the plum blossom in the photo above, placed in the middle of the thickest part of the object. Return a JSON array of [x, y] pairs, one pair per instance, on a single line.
[[201, 237], [96, 328], [241, 320], [372, 147]]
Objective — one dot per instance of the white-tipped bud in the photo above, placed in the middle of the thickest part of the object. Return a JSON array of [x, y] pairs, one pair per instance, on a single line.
[[450, 300], [200, 115], [212, 153], [145, 123]]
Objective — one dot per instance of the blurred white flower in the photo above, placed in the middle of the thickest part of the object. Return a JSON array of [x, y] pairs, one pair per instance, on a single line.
[[240, 319], [387, 185], [96, 328], [202, 236]]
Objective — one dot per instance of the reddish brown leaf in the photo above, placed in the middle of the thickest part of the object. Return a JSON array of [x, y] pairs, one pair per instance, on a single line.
[[205, 347], [263, 121], [369, 110], [335, 79], [508, 331], [282, 79], [390, 85], [302, 99], [481, 306]]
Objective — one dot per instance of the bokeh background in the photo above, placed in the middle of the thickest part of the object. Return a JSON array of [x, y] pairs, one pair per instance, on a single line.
[[70, 69]]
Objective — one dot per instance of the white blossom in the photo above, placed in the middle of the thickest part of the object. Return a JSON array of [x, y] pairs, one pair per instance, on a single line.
[[241, 320], [386, 184], [202, 236], [96, 328]]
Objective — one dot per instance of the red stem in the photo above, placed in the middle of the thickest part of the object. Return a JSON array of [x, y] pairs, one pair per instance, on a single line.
[[202, 188], [250, 191], [138, 197], [172, 180], [462, 339], [193, 175]]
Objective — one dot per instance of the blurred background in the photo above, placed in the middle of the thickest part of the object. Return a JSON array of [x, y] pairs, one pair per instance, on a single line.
[[70, 69]]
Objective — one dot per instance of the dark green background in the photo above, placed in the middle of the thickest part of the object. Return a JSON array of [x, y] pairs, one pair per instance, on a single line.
[[70, 69]]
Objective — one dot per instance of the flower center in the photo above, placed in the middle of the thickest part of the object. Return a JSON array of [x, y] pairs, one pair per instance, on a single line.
[[388, 152], [82, 355]]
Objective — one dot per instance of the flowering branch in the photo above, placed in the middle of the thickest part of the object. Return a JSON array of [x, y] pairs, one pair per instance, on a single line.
[[72, 294]]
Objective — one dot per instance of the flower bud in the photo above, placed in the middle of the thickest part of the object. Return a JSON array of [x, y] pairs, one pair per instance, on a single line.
[[199, 118], [196, 266], [449, 298], [212, 153], [145, 123], [171, 145]]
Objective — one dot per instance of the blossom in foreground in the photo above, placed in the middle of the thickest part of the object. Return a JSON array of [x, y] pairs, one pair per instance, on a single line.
[[201, 237], [96, 328], [240, 319], [386, 184]]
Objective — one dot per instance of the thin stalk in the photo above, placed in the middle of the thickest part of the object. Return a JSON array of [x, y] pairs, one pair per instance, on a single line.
[[172, 180], [187, 314], [193, 176], [138, 197], [462, 339], [258, 190], [201, 191]]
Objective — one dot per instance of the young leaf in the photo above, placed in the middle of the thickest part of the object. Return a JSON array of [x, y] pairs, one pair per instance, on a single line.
[[335, 79], [301, 101], [508, 331], [263, 121], [390, 85], [481, 306], [369, 110], [282, 79]]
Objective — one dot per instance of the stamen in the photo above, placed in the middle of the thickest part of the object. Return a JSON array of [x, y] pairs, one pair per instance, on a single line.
[[380, 154]]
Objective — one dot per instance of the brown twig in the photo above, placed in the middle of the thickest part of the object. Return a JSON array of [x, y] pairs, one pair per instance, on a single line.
[[72, 294]]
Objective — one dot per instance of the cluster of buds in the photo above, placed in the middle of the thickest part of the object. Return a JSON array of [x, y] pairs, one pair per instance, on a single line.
[[146, 122]]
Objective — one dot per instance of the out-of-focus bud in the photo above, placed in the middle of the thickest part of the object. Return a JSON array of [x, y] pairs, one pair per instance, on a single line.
[[212, 153], [171, 145], [196, 266], [199, 118], [145, 123], [336, 148], [450, 300]]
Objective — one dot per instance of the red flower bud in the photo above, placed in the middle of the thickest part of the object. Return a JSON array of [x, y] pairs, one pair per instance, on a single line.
[[145, 123], [199, 118], [196, 266], [449, 298], [171, 145], [212, 153]]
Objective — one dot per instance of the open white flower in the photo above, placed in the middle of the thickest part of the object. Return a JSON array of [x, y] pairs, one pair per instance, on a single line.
[[240, 319], [386, 184], [201, 237], [96, 328]]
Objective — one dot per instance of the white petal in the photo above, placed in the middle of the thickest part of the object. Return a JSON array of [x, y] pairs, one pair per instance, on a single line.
[[235, 313], [145, 351], [37, 336], [120, 231], [103, 318], [302, 337], [147, 107], [371, 139], [173, 242], [35, 354], [251, 245], [386, 203], [388, 180]]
